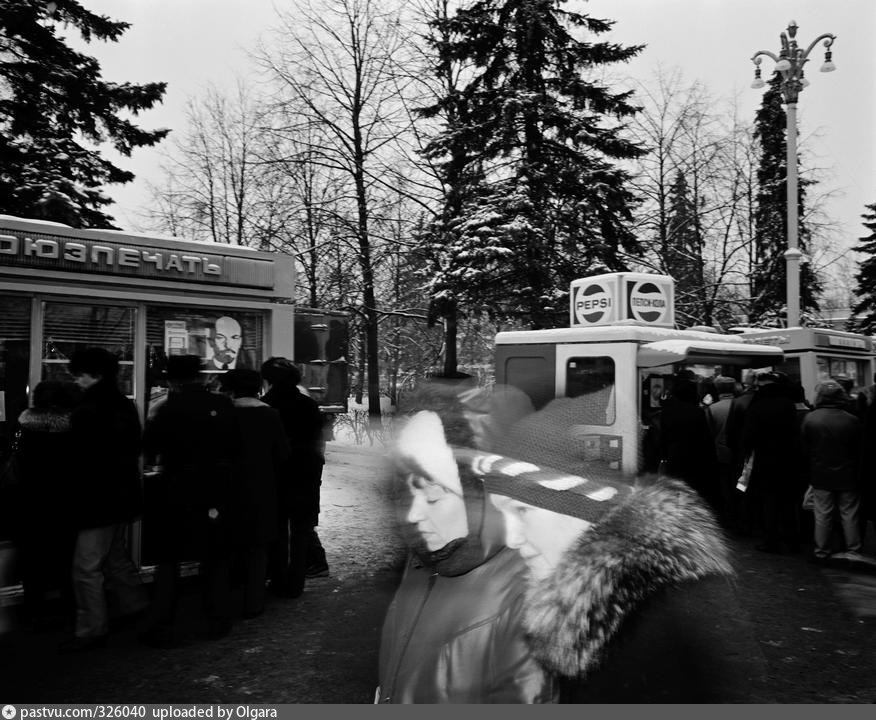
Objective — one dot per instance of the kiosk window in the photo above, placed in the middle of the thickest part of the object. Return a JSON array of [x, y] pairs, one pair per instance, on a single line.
[[593, 379], [837, 368], [14, 363], [68, 328], [532, 375], [223, 339]]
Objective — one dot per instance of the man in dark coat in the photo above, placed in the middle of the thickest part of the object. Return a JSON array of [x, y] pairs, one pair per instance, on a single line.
[[263, 457], [46, 537], [192, 438], [832, 447], [297, 552], [105, 432], [770, 432], [629, 598], [686, 442]]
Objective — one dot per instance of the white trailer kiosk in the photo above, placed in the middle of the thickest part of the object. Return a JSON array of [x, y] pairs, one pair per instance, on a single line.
[[619, 355], [813, 355]]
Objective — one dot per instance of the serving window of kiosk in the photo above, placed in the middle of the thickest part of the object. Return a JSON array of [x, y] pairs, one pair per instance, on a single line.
[[68, 327], [224, 339], [834, 367], [592, 380]]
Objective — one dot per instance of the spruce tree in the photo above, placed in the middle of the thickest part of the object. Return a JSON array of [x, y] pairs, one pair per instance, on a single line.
[[768, 271], [553, 204], [683, 255], [866, 278], [55, 108]]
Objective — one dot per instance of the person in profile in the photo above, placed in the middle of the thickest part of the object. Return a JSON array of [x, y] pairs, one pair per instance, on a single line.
[[224, 343], [454, 630]]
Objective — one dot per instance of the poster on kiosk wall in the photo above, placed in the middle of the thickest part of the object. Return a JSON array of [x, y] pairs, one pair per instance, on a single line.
[[614, 297]]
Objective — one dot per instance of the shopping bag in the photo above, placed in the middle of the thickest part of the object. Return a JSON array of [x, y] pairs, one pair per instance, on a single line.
[[809, 499], [745, 476]]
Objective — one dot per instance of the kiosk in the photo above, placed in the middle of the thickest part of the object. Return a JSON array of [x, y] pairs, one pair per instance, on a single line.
[[813, 355], [143, 297], [619, 356]]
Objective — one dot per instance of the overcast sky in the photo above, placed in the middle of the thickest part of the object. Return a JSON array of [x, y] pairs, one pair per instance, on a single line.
[[192, 43]]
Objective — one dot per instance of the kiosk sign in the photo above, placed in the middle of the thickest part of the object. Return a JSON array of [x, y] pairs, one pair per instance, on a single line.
[[648, 301], [592, 304], [610, 298]]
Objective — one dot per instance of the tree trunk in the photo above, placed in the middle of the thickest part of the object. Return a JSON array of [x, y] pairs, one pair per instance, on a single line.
[[451, 329]]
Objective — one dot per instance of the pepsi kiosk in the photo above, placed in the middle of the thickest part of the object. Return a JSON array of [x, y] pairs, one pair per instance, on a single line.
[[618, 357]]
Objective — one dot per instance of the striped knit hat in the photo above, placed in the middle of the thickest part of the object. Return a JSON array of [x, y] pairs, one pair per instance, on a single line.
[[545, 487]]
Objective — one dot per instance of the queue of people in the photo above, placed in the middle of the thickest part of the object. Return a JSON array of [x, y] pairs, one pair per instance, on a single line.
[[754, 452], [232, 478]]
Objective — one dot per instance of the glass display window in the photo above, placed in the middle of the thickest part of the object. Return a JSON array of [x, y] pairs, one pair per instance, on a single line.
[[68, 327], [14, 364], [851, 372], [224, 339]]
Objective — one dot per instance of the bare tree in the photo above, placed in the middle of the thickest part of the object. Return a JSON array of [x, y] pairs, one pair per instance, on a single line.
[[334, 70], [213, 172]]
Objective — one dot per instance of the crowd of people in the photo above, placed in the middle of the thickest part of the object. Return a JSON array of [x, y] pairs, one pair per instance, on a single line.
[[535, 583], [536, 574], [755, 452], [231, 481]]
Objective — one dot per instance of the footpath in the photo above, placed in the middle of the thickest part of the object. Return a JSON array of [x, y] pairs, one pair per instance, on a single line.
[[810, 631]]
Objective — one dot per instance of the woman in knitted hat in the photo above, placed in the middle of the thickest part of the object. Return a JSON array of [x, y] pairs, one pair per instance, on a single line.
[[628, 596], [453, 632]]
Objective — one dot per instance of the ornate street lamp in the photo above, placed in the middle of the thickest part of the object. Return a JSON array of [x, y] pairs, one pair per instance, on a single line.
[[789, 64]]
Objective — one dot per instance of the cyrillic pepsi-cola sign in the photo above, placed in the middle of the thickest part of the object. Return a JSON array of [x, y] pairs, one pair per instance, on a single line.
[[607, 299]]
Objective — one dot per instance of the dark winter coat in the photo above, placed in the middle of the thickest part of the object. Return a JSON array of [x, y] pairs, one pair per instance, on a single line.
[[45, 534], [300, 482], [736, 425], [263, 456], [105, 435], [45, 495], [453, 631], [687, 446], [868, 463], [45, 447], [770, 431], [832, 446], [193, 437], [641, 609]]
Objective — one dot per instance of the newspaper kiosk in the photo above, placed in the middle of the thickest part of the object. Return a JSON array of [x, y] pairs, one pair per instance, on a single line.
[[141, 297]]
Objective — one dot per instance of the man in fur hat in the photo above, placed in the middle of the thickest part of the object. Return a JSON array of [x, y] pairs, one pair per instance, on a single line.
[[628, 597]]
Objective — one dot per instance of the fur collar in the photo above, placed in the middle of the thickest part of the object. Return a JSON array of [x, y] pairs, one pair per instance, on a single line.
[[248, 402], [661, 535], [50, 420]]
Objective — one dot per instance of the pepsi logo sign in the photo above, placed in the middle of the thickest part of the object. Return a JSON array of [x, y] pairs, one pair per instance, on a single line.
[[648, 302], [593, 303]]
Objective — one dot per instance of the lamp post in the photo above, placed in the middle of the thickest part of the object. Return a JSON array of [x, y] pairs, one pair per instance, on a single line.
[[789, 64]]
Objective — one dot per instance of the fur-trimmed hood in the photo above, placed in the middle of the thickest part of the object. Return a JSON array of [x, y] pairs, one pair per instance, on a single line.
[[45, 420], [661, 535]]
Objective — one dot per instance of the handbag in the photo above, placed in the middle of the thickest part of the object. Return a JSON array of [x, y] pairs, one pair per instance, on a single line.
[[745, 476], [809, 499]]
